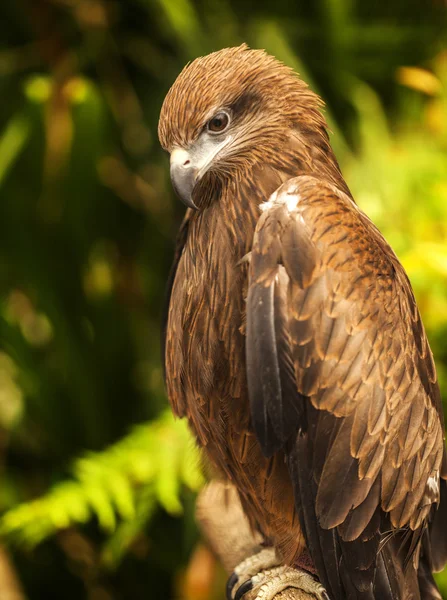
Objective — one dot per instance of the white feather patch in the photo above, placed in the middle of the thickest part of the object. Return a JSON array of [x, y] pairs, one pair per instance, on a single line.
[[290, 199], [431, 493], [433, 483]]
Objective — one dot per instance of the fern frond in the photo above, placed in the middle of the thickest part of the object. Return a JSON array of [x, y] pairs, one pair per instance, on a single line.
[[120, 486]]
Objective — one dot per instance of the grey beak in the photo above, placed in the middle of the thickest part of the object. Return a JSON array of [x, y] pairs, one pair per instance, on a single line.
[[183, 176], [183, 181]]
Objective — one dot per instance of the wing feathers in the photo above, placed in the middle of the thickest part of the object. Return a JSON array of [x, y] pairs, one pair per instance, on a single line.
[[438, 531], [262, 368], [340, 488], [337, 352], [274, 400], [358, 518]]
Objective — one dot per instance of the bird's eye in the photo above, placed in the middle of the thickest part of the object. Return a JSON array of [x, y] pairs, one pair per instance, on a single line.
[[219, 122]]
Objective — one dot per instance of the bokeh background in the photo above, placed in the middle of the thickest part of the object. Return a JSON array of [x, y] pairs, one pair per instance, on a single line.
[[97, 480]]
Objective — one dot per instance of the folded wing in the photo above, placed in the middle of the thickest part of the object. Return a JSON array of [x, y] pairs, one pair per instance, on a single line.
[[342, 378]]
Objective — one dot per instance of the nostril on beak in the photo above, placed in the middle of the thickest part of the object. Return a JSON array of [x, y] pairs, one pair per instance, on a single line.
[[186, 163]]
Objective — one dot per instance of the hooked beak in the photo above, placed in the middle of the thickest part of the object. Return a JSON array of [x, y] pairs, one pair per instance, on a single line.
[[184, 176], [189, 166]]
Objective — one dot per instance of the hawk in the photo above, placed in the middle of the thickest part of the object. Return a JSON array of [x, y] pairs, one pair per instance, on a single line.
[[293, 343]]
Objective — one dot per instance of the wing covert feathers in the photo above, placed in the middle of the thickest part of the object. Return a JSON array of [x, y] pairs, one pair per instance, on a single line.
[[341, 376]]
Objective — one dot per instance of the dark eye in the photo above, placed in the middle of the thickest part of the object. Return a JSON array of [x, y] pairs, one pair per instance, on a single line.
[[219, 122]]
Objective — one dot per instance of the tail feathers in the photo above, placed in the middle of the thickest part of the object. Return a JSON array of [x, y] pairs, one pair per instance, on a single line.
[[362, 569], [348, 570], [322, 544], [427, 587], [438, 532], [396, 576], [381, 563]]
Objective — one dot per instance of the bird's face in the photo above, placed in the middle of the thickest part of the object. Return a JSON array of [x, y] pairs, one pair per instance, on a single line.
[[227, 112], [207, 152]]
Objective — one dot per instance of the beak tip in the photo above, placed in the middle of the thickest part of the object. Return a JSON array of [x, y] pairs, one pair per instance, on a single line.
[[185, 198], [183, 181], [189, 203], [192, 204]]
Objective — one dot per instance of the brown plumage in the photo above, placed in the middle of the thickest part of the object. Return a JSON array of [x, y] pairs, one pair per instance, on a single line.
[[293, 342]]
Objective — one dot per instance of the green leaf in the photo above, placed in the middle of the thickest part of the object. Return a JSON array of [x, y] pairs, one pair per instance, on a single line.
[[12, 141]]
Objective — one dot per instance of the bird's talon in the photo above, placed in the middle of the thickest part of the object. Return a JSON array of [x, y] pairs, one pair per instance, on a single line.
[[264, 576], [232, 581], [267, 584], [250, 572], [247, 586]]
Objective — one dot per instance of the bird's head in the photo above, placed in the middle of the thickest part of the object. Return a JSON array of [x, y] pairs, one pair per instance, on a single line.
[[229, 111]]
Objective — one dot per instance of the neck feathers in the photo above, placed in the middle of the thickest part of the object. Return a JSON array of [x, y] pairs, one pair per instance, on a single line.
[[232, 204]]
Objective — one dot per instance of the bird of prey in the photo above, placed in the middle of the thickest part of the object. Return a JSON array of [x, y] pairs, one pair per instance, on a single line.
[[293, 343]]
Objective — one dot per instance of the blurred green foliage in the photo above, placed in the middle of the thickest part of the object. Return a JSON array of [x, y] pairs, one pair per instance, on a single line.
[[125, 482], [91, 501]]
